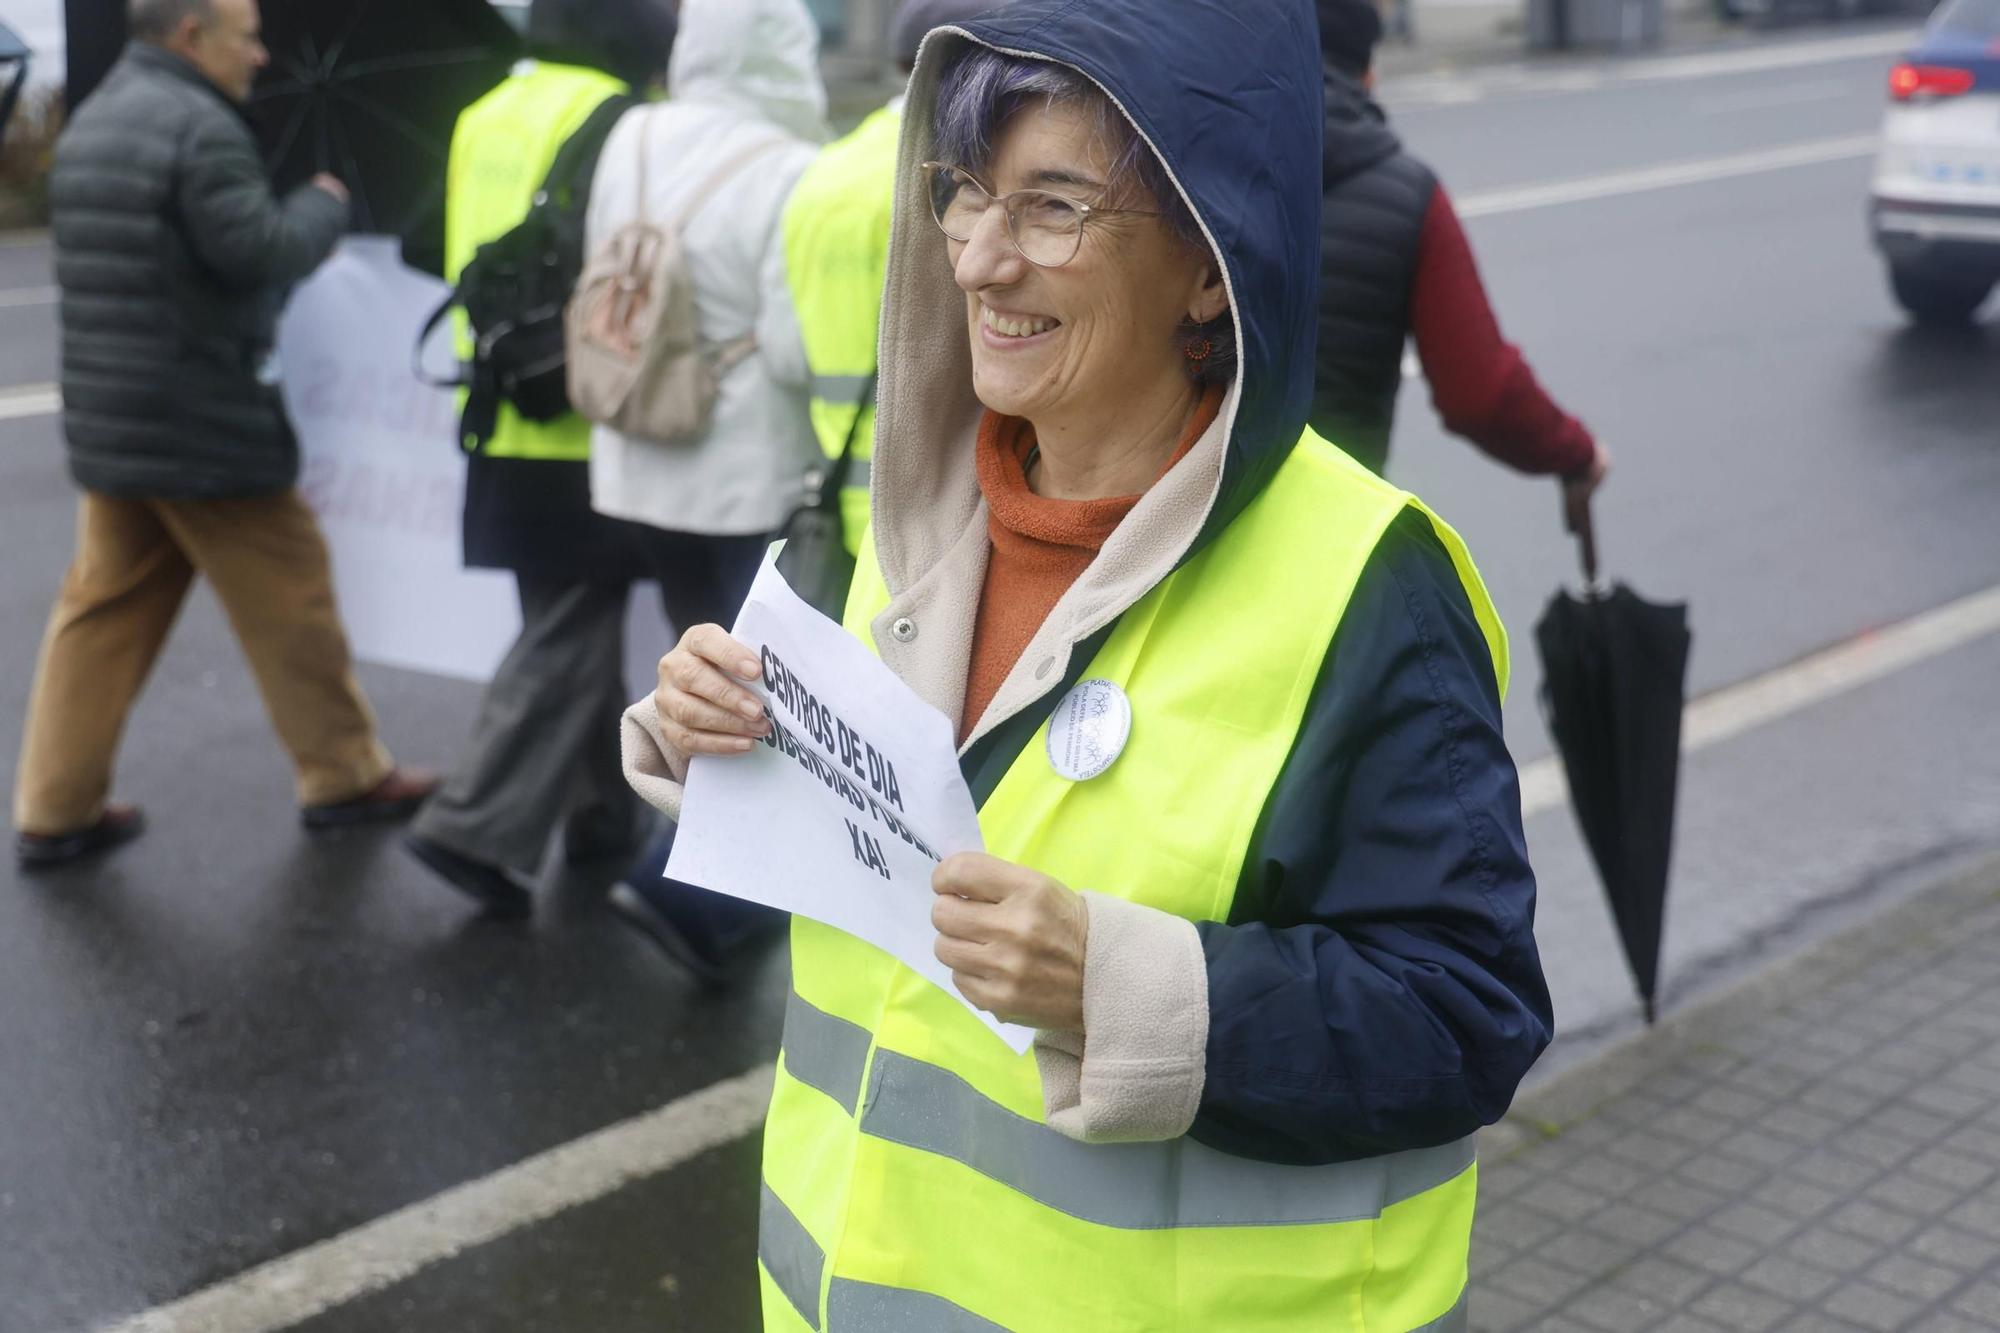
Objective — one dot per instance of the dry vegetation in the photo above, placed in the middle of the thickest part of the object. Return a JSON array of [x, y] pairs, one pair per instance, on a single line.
[[26, 153]]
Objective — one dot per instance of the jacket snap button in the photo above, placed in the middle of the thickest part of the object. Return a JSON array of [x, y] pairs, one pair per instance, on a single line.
[[905, 629], [1042, 671]]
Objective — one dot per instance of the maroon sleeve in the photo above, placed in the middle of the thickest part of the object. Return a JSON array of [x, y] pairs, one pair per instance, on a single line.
[[1480, 383]]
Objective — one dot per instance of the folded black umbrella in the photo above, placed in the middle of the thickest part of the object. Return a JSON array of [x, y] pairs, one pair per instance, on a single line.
[[370, 90], [1614, 681]]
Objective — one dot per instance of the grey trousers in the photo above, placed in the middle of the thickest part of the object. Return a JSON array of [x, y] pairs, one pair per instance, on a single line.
[[546, 741]]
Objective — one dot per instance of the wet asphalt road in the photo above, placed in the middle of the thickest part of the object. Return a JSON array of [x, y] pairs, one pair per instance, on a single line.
[[234, 1039]]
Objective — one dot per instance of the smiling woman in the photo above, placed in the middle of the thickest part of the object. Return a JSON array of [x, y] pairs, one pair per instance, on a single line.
[[982, 97], [1230, 706]]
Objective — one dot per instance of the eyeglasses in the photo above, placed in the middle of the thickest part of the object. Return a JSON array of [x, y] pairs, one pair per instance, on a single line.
[[1047, 229]]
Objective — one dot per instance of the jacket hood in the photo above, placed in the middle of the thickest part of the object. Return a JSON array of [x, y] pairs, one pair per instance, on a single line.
[[760, 57], [1241, 137], [1357, 133], [628, 39]]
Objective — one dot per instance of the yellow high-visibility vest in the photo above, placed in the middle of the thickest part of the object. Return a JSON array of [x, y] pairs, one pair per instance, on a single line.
[[911, 1181], [836, 262], [501, 151]]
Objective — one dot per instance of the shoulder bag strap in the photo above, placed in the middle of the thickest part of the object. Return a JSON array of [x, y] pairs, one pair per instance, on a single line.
[[836, 480], [459, 381]]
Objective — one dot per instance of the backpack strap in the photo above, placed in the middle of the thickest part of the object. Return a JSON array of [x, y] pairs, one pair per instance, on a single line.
[[576, 160], [725, 357], [722, 175]]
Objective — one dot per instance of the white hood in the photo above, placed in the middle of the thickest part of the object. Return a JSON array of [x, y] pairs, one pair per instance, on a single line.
[[760, 57]]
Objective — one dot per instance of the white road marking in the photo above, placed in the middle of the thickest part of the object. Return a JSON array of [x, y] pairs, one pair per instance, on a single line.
[[30, 400], [1730, 712], [1813, 152], [25, 296], [1457, 89], [382, 1253]]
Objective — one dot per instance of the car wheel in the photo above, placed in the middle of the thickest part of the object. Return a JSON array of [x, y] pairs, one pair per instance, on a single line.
[[1930, 299]]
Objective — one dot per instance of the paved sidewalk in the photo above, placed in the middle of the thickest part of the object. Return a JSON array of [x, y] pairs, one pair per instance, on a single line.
[[1816, 1150]]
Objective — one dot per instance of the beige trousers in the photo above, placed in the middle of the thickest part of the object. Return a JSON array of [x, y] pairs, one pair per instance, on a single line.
[[135, 560]]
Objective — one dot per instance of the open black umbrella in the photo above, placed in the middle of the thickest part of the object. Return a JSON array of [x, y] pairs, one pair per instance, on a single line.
[[370, 91], [1614, 681]]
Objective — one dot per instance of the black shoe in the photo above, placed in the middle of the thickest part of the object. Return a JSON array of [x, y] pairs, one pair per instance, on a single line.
[[709, 966], [600, 833], [488, 885], [118, 825], [394, 798]]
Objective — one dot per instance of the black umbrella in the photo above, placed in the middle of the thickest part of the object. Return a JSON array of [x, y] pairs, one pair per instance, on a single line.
[[370, 91], [1614, 680]]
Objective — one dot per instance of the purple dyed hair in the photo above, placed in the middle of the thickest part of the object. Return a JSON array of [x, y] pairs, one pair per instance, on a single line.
[[981, 92]]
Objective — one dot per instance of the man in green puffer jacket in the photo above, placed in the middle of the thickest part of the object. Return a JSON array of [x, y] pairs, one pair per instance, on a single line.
[[174, 258]]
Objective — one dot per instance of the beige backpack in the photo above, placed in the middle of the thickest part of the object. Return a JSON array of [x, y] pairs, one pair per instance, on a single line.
[[636, 359]]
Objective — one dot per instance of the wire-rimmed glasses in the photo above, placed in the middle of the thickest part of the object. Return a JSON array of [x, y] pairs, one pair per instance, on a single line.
[[1045, 227]]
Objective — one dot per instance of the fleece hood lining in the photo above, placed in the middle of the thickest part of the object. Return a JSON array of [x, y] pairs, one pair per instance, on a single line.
[[933, 551]]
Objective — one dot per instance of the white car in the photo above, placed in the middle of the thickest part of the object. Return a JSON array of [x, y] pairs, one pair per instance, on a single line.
[[1935, 212]]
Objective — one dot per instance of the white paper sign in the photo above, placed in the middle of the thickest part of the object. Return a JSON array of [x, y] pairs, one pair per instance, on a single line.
[[850, 804], [380, 464]]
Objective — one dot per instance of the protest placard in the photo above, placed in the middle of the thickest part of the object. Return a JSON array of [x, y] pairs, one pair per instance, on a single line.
[[849, 804], [381, 466]]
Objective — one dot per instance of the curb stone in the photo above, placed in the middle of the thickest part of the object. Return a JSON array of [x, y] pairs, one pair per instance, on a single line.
[[1575, 1094]]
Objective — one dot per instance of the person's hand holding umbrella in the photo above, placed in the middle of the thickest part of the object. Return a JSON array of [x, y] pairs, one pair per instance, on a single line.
[[371, 91], [1577, 489]]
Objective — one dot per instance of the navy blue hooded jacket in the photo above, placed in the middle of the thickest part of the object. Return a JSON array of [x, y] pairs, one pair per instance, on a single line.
[[1377, 987]]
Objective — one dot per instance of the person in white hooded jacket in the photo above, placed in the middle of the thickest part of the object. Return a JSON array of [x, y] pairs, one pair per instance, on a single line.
[[743, 88]]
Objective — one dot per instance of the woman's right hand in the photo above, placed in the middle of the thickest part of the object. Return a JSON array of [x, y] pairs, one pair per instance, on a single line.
[[703, 709]]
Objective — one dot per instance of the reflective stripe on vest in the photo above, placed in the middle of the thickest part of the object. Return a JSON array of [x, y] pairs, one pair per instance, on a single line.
[[910, 1150], [501, 151], [863, 1307], [840, 391], [1132, 1185], [825, 1052], [837, 259], [789, 1254]]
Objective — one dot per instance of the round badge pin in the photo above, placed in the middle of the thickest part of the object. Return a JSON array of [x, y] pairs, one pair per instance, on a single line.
[[1089, 729]]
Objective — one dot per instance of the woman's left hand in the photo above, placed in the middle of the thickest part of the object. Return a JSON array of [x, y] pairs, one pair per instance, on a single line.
[[1013, 939]]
